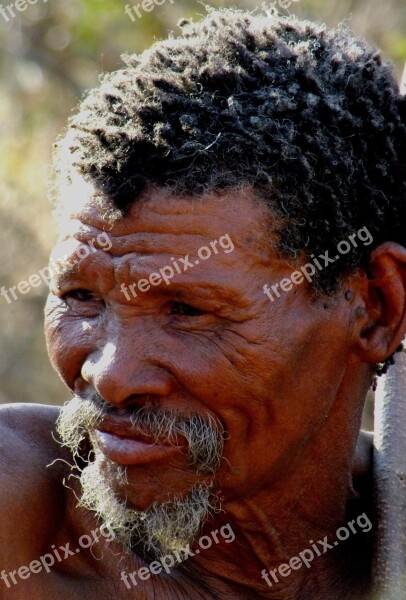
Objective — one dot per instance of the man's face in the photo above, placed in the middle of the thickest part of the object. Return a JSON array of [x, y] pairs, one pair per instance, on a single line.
[[209, 344]]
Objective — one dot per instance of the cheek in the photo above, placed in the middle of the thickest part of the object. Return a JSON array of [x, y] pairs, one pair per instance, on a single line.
[[273, 392], [67, 341], [228, 375]]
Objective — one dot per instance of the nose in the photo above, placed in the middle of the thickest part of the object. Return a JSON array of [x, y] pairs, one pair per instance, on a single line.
[[122, 377]]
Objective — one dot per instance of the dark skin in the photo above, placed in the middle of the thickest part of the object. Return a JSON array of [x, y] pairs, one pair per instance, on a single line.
[[287, 380]]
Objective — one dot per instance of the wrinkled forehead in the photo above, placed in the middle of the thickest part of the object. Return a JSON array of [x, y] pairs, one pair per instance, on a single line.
[[239, 213]]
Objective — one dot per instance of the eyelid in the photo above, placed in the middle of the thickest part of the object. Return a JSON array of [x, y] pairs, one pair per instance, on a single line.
[[90, 306], [82, 299], [78, 291], [200, 311]]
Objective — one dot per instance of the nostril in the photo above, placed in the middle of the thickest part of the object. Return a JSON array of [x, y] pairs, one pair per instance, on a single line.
[[80, 385]]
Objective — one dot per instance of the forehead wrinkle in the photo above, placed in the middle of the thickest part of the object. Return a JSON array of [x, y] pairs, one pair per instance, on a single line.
[[75, 228], [149, 220], [140, 242], [152, 243], [182, 216], [157, 243], [161, 226]]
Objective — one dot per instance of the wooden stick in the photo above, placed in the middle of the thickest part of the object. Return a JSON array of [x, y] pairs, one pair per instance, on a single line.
[[390, 482], [403, 83]]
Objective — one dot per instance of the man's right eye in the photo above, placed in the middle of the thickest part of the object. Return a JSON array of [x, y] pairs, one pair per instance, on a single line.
[[83, 301], [79, 295]]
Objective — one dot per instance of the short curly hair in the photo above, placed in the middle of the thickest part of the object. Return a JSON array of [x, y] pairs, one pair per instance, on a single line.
[[311, 119]]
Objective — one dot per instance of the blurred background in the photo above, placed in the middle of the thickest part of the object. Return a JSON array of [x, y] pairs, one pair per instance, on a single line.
[[52, 52]]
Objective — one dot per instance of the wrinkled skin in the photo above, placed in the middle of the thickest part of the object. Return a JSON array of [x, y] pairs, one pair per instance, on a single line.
[[286, 379]]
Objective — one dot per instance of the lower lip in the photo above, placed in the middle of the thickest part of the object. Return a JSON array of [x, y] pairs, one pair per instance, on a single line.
[[129, 451]]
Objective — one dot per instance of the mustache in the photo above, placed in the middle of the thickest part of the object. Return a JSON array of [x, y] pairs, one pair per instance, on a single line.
[[204, 434]]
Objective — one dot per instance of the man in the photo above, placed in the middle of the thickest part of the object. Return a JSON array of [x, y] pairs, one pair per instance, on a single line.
[[250, 177]]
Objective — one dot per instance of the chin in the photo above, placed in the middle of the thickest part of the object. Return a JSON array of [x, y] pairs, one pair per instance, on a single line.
[[162, 521]]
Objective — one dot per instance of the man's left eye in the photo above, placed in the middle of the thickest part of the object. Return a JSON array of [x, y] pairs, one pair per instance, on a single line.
[[185, 310]]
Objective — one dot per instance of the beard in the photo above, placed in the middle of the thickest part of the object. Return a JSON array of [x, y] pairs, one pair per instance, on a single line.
[[165, 527]]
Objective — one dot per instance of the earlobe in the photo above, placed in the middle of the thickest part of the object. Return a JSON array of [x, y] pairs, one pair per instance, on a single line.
[[381, 319]]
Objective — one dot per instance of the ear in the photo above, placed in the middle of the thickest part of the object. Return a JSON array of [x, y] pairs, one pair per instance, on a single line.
[[381, 304]]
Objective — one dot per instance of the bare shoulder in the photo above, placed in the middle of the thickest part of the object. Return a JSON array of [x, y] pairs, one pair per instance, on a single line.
[[31, 491], [26, 434]]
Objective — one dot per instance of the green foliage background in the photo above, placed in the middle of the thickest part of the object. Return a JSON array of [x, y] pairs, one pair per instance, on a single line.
[[50, 54]]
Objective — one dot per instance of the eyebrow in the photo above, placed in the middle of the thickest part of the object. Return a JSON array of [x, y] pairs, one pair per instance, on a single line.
[[224, 297], [68, 268], [65, 271], [72, 268], [207, 289]]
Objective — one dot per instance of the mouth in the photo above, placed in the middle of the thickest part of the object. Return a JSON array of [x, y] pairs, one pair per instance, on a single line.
[[122, 443]]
